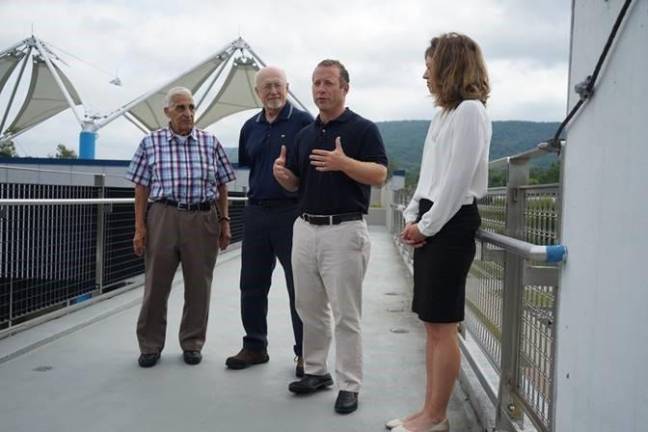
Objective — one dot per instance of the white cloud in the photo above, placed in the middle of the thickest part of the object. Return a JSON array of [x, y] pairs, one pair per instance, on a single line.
[[380, 41]]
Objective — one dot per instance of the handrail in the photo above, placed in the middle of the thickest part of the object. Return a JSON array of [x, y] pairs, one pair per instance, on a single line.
[[16, 202], [545, 253], [530, 251], [15, 168], [540, 150]]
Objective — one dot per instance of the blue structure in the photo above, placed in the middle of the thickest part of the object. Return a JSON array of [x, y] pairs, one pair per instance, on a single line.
[[87, 140]]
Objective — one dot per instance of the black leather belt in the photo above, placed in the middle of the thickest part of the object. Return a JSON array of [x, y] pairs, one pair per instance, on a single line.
[[273, 203], [201, 206], [330, 219]]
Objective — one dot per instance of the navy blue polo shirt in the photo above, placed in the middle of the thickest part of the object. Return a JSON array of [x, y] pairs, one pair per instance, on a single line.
[[259, 145], [333, 192]]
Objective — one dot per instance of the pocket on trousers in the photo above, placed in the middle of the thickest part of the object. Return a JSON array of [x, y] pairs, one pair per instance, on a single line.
[[210, 222], [360, 237]]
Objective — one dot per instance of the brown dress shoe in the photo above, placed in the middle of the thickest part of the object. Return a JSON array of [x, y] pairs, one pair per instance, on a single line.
[[246, 358]]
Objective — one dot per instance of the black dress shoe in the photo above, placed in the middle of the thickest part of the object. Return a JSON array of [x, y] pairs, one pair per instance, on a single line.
[[346, 402], [246, 358], [192, 357], [148, 360], [311, 384]]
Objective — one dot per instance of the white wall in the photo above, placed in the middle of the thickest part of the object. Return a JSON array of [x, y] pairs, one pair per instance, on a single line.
[[602, 347]]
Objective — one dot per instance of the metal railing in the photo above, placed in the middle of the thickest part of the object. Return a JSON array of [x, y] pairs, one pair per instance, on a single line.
[[511, 291], [60, 245]]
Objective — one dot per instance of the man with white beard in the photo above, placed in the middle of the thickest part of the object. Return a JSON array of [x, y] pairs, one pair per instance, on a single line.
[[269, 216]]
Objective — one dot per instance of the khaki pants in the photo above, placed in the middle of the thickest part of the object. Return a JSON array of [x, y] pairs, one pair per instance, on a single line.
[[329, 263], [177, 236]]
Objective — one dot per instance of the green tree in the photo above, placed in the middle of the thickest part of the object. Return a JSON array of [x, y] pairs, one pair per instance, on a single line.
[[496, 177], [63, 152], [8, 149], [550, 174]]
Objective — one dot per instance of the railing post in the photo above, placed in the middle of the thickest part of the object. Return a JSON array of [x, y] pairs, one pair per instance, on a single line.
[[509, 406], [100, 182], [391, 211], [10, 299]]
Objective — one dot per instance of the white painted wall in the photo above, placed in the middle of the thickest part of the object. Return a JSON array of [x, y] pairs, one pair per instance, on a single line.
[[602, 346]]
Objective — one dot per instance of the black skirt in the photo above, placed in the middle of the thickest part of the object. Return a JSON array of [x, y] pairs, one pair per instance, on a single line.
[[441, 266]]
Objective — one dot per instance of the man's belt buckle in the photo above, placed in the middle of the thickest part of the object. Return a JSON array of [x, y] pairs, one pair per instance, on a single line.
[[317, 219], [183, 206]]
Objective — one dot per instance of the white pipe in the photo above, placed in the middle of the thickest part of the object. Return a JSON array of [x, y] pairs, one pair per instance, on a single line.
[[58, 80], [136, 123], [48, 201], [13, 47]]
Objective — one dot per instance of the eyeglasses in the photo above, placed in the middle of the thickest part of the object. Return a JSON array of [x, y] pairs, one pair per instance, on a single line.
[[273, 86], [182, 107]]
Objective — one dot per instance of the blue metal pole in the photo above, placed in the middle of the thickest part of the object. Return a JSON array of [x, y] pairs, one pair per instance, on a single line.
[[87, 140]]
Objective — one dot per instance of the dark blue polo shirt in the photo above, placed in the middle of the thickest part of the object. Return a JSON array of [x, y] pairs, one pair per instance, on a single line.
[[333, 192], [259, 145]]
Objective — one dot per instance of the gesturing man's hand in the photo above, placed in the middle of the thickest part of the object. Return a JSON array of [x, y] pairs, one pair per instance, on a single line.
[[324, 160], [279, 169]]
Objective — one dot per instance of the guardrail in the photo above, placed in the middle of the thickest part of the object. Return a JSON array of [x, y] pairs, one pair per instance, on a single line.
[[61, 245], [511, 292]]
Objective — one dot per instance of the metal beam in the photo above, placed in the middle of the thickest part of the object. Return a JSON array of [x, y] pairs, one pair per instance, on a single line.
[[136, 122], [115, 114], [58, 80], [13, 93], [17, 45], [219, 71]]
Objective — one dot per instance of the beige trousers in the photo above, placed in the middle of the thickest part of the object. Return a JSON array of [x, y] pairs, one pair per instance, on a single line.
[[177, 236], [329, 264]]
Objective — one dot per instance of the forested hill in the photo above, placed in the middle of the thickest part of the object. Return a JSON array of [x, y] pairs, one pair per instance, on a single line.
[[404, 140]]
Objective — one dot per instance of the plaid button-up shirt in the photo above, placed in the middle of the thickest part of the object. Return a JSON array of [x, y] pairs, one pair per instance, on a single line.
[[188, 172]]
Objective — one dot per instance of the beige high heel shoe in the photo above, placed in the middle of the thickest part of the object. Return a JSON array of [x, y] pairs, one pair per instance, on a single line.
[[394, 423], [442, 426]]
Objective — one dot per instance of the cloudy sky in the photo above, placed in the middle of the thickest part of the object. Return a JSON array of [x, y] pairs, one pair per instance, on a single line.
[[146, 43]]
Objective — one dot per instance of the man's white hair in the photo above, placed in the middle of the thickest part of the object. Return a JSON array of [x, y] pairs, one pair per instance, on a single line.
[[270, 70], [176, 91]]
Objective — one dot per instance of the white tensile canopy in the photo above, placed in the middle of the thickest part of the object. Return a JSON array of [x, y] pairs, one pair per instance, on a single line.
[[8, 63], [237, 94], [44, 98], [149, 111], [236, 91], [49, 91], [233, 68]]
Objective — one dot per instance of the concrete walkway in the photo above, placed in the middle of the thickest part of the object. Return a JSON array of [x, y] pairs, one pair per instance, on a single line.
[[85, 377]]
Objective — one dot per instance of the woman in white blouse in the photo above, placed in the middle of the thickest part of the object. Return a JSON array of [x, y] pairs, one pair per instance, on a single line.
[[442, 217]]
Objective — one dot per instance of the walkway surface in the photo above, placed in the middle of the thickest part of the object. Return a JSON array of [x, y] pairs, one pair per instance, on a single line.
[[80, 373]]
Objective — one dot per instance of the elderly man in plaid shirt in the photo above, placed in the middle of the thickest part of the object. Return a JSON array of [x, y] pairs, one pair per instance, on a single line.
[[181, 215]]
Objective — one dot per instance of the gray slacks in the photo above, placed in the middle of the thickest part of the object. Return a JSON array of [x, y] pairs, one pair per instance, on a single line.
[[177, 236], [329, 263]]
